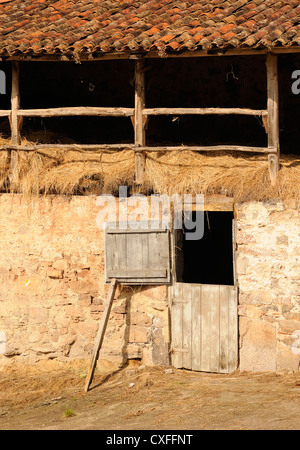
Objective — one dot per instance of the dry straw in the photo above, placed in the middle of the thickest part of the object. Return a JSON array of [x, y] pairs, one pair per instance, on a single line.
[[243, 177]]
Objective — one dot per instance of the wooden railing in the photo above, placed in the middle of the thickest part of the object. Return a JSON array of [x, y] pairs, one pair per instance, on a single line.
[[139, 116]]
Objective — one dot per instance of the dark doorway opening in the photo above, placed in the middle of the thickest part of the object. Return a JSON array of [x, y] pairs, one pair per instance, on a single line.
[[209, 260]]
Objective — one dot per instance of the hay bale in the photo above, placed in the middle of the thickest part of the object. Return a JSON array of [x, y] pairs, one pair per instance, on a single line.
[[241, 176], [53, 171]]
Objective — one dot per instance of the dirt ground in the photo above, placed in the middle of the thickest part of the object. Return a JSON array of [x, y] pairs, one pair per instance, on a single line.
[[52, 397]]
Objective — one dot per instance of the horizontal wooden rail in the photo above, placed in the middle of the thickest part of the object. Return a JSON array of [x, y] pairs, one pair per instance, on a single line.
[[139, 273], [209, 148], [204, 111], [116, 147], [79, 147], [76, 111], [129, 112], [5, 112]]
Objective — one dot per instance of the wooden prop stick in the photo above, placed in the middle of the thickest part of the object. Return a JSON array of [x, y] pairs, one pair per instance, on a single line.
[[101, 332]]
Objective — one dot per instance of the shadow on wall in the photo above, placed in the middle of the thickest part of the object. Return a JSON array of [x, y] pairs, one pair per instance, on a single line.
[[144, 335]]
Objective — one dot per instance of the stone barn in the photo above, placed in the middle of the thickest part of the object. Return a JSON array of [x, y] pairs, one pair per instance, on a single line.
[[108, 107]]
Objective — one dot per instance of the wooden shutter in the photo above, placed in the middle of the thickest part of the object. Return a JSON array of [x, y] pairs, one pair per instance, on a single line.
[[137, 256]]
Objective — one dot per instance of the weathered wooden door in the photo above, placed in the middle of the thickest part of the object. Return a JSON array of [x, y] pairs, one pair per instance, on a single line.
[[204, 327], [140, 256]]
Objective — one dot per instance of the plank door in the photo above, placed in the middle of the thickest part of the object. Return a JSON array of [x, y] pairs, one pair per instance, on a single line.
[[204, 328]]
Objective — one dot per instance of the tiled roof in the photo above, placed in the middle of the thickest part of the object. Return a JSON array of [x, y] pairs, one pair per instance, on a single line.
[[63, 26]]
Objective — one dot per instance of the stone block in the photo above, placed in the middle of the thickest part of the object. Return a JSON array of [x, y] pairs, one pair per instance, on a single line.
[[82, 286], [242, 264], [84, 299], [258, 345], [138, 334], [160, 349], [133, 351], [60, 264], [96, 310], [38, 314], [282, 240], [159, 293], [75, 313], [119, 318], [254, 296], [287, 359], [55, 273], [159, 306], [32, 284], [140, 318], [97, 301], [120, 309]]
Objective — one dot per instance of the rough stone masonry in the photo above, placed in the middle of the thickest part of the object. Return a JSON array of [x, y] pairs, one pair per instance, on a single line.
[[52, 279], [268, 269], [53, 290]]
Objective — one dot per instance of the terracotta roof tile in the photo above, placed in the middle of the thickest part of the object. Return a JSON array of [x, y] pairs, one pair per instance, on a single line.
[[66, 26]]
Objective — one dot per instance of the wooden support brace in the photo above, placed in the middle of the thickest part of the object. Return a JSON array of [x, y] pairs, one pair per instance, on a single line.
[[101, 332], [15, 121], [273, 160], [139, 121], [273, 115], [204, 111], [77, 111]]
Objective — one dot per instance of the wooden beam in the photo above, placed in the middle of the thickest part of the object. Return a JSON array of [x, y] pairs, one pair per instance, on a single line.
[[204, 111], [101, 332], [69, 147], [142, 273], [214, 148], [15, 104], [138, 149], [15, 121], [69, 57], [139, 122], [217, 52], [5, 112], [273, 115], [273, 160], [76, 111], [216, 202]]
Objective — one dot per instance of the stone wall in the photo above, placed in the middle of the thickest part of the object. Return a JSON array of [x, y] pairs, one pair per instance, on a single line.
[[268, 267], [53, 291]]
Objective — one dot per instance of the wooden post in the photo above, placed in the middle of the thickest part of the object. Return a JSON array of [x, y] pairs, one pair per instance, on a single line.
[[139, 121], [15, 120], [101, 332], [273, 115]]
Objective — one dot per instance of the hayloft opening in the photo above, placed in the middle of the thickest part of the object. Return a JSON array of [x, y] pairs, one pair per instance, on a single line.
[[98, 83], [289, 104], [181, 82], [207, 82], [66, 84], [203, 82], [208, 260]]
